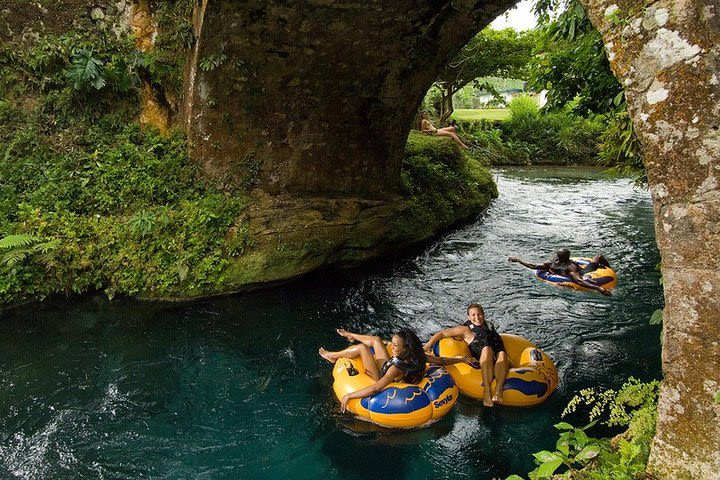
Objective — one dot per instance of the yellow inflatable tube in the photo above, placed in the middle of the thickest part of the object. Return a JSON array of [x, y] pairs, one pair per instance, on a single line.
[[399, 405], [602, 277], [532, 377]]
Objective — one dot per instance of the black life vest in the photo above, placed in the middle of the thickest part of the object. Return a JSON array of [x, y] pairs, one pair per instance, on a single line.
[[485, 336], [411, 374]]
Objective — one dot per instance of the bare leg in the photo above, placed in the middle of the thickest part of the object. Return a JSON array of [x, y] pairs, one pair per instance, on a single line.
[[501, 371], [355, 351], [602, 261], [372, 341], [452, 135], [486, 363]]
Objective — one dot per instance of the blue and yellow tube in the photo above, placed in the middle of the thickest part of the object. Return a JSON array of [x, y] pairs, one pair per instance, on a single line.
[[399, 405], [602, 277], [532, 377]]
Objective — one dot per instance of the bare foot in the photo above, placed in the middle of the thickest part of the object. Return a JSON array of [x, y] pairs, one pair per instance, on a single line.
[[344, 333], [498, 397], [327, 355], [488, 401]]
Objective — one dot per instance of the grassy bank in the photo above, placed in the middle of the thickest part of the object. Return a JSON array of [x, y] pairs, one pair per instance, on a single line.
[[469, 115]]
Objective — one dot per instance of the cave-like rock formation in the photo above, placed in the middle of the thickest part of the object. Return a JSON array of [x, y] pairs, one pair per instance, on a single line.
[[317, 97]]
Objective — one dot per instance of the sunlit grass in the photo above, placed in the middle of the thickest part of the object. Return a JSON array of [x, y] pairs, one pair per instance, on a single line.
[[467, 114]]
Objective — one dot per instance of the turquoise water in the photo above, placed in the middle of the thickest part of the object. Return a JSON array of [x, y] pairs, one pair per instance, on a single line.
[[233, 387]]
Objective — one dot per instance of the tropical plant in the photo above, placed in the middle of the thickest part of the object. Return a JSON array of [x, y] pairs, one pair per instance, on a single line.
[[16, 248], [620, 148], [86, 71], [570, 60], [624, 457]]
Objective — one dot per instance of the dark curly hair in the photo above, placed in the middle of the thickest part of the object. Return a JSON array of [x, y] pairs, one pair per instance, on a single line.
[[414, 355]]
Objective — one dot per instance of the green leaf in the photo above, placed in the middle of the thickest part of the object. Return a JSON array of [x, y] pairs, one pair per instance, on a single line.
[[563, 426], [545, 456], [514, 477], [563, 447], [590, 425], [588, 453], [581, 439], [548, 468], [657, 317], [717, 397], [618, 100]]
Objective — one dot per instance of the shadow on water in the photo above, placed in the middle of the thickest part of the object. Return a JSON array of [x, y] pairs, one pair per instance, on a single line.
[[232, 387]]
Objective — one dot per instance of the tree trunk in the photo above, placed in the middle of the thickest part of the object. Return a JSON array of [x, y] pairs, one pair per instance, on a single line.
[[446, 104], [666, 55]]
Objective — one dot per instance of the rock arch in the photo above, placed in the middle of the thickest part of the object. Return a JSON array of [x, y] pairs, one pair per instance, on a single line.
[[317, 97]]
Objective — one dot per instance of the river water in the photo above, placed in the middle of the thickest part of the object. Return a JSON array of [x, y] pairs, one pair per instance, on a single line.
[[233, 387]]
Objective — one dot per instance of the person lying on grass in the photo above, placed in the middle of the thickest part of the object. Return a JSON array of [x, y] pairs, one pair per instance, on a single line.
[[427, 127]]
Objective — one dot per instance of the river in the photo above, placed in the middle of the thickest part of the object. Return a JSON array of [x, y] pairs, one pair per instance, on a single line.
[[233, 387]]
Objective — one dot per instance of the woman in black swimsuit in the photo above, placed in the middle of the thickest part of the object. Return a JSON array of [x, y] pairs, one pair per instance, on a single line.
[[407, 363], [486, 345]]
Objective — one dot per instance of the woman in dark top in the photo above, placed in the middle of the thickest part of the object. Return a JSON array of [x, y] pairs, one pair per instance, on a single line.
[[486, 345], [407, 363]]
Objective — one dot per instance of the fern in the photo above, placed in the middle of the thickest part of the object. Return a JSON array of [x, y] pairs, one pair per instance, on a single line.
[[16, 248], [17, 241]]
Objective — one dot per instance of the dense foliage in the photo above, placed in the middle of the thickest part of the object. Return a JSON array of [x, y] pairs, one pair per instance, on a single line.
[[442, 184], [625, 457], [88, 199], [531, 137], [570, 61]]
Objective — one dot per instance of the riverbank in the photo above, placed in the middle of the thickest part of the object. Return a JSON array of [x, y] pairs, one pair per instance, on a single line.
[[93, 201], [524, 135], [121, 210]]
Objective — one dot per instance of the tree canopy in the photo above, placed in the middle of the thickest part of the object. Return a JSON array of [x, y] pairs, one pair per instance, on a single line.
[[491, 53], [570, 62]]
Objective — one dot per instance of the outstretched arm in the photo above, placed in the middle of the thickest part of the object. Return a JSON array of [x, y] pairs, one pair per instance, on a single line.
[[448, 332], [453, 360], [540, 266], [376, 387]]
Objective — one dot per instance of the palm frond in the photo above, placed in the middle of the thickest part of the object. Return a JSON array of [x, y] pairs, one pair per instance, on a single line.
[[16, 241]]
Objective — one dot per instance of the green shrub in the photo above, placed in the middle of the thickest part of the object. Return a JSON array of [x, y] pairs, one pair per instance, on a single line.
[[625, 457], [620, 148], [523, 108], [442, 185]]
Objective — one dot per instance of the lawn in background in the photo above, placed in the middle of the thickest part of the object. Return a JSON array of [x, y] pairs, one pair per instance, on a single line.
[[467, 114]]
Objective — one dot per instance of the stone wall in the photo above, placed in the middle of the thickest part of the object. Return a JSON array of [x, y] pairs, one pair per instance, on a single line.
[[667, 55]]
